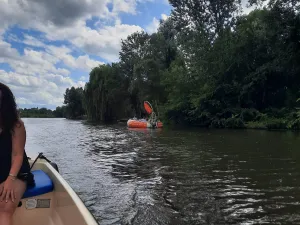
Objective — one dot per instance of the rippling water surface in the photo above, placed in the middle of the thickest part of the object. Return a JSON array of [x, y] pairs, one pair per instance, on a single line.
[[162, 177]]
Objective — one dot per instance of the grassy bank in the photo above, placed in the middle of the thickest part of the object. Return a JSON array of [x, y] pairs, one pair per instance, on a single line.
[[271, 119]]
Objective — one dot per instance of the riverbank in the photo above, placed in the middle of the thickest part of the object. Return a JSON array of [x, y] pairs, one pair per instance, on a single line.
[[270, 119], [39, 116]]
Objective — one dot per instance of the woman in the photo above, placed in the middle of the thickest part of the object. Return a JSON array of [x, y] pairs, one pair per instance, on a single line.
[[15, 173]]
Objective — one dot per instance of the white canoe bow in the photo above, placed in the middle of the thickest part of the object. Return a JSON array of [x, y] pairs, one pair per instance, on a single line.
[[52, 201]]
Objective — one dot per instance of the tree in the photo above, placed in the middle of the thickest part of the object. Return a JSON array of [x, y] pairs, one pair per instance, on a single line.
[[293, 5], [208, 16], [106, 95], [207, 65], [131, 52], [73, 100], [60, 112], [39, 113]]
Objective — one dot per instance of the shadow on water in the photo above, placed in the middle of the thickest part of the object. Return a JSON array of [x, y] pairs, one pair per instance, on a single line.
[[132, 176]]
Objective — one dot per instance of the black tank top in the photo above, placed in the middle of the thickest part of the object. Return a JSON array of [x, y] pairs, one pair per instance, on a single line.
[[5, 160]]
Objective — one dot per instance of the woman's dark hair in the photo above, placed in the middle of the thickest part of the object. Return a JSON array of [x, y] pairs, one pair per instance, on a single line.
[[9, 115]]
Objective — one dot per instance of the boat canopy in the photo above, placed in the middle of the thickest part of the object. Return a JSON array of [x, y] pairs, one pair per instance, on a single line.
[[148, 107]]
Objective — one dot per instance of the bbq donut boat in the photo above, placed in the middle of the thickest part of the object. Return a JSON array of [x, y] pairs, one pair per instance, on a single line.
[[52, 201], [135, 123], [152, 122]]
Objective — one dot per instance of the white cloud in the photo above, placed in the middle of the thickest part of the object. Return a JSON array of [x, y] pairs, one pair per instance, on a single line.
[[247, 9], [154, 25], [32, 62], [23, 101], [68, 22], [7, 52], [59, 13], [80, 84], [32, 41], [128, 6], [36, 77], [83, 78], [40, 90], [45, 59], [64, 54], [84, 62], [164, 16], [105, 42]]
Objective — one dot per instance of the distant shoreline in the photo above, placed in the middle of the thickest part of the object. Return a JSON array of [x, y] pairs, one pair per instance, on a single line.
[[275, 126]]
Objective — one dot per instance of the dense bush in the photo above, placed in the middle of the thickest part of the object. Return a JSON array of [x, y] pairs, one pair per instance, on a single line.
[[216, 123], [249, 115], [234, 123], [295, 125], [276, 124]]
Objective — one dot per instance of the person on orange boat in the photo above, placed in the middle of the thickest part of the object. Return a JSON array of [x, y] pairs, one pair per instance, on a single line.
[[15, 173]]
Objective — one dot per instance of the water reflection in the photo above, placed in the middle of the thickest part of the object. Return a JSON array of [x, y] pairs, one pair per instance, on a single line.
[[136, 176]]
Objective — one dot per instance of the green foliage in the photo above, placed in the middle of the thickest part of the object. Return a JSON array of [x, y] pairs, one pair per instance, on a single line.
[[207, 65], [252, 65], [105, 95], [73, 100], [276, 124], [256, 125], [41, 113], [249, 115], [210, 16], [218, 123], [277, 113], [295, 125], [234, 123], [60, 112]]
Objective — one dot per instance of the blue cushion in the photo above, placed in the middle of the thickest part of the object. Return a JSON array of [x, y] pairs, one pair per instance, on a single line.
[[43, 184]]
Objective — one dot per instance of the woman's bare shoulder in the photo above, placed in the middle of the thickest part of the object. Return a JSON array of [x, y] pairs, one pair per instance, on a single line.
[[19, 127], [20, 121]]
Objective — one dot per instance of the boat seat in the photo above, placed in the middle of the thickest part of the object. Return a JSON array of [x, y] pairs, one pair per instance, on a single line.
[[43, 184]]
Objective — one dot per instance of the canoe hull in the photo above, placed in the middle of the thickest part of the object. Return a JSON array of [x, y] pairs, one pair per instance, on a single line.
[[142, 124], [65, 207]]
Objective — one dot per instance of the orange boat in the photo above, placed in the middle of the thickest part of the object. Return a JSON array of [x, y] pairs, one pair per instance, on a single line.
[[133, 123], [151, 123]]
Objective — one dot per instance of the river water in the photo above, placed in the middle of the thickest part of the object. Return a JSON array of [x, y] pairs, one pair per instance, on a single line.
[[170, 177]]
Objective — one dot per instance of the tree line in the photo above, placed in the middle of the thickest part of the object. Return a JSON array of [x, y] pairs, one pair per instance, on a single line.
[[207, 65], [59, 112]]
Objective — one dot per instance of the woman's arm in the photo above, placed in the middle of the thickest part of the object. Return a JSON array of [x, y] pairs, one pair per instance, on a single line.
[[18, 146]]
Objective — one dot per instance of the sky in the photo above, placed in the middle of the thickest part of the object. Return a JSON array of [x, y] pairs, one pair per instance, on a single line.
[[47, 46]]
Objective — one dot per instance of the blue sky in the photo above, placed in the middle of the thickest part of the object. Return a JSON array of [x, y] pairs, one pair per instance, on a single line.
[[47, 46]]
